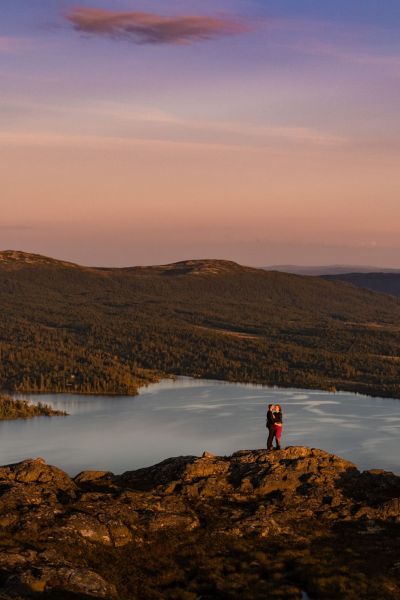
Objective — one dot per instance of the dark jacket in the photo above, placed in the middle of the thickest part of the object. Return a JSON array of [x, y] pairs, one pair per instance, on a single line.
[[270, 419], [278, 418]]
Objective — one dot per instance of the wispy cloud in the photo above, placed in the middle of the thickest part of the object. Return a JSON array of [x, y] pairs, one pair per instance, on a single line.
[[100, 142], [147, 28], [348, 54], [213, 136], [237, 132], [127, 124], [10, 45], [334, 41]]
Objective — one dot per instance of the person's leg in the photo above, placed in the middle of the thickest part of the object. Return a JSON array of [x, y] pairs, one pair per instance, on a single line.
[[278, 435], [270, 440]]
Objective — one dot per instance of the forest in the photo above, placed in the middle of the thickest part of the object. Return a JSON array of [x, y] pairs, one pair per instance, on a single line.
[[64, 327], [18, 408]]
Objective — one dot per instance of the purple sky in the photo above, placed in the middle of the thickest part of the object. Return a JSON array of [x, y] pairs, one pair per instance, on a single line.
[[147, 132]]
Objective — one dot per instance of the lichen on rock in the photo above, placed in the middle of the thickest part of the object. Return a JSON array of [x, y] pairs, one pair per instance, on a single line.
[[255, 524]]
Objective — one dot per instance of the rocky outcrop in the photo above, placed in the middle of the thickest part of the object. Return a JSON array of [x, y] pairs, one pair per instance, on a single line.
[[256, 524]]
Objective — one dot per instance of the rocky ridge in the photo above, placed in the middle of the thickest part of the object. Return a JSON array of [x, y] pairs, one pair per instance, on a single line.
[[256, 524], [17, 258]]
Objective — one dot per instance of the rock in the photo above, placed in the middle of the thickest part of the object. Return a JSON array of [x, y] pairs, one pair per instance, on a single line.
[[207, 455], [87, 527], [10, 559], [119, 533], [253, 525], [37, 471], [168, 470], [83, 581], [89, 476], [390, 509]]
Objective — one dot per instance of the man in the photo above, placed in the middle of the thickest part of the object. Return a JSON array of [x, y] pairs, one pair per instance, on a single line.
[[270, 426]]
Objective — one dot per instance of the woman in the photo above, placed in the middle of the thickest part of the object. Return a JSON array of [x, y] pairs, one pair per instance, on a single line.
[[278, 424]]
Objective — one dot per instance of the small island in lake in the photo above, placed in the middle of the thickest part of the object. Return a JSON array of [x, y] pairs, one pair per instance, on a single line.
[[17, 408]]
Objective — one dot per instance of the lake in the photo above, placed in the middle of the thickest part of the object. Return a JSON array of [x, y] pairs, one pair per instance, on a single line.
[[188, 416]]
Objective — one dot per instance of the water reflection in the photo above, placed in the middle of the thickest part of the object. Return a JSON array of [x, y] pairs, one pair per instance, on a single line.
[[188, 416]]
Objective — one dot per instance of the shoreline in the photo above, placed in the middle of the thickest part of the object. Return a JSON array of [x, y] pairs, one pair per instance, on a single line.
[[334, 388], [187, 415]]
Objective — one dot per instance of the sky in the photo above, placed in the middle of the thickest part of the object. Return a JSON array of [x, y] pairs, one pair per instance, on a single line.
[[146, 132]]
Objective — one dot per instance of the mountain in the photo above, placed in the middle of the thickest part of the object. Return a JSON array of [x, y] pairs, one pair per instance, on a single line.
[[386, 283], [317, 271], [15, 259], [65, 327], [295, 523]]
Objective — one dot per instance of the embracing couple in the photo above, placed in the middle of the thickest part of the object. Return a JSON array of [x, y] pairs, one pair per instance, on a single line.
[[274, 425]]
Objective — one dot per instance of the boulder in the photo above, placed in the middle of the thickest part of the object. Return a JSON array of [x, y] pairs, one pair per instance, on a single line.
[[252, 525]]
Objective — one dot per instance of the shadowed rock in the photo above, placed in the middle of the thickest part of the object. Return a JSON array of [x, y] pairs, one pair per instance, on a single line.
[[284, 521]]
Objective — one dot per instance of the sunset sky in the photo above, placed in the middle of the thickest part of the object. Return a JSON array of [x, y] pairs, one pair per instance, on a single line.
[[144, 132]]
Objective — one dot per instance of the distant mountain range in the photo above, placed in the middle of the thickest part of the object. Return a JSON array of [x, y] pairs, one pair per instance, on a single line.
[[383, 280], [65, 327], [386, 283], [328, 269]]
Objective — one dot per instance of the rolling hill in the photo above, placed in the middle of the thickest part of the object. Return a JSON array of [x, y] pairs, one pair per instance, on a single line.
[[64, 327]]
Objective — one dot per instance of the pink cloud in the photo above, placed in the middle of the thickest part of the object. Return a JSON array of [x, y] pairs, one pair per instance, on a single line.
[[146, 28]]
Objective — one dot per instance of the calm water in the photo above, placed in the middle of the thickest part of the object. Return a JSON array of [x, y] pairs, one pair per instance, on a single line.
[[189, 416]]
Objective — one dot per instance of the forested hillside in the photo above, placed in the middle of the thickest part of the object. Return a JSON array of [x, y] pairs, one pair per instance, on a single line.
[[66, 327]]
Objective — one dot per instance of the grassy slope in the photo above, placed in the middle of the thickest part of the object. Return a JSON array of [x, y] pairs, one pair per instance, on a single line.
[[110, 330]]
